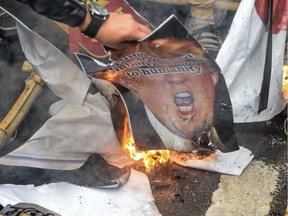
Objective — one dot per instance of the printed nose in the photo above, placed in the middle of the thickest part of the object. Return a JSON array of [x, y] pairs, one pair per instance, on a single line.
[[175, 78]]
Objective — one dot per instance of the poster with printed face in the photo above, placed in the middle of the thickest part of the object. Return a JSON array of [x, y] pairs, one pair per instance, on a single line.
[[172, 93]]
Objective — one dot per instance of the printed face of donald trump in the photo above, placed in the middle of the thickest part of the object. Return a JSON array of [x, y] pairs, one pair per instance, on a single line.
[[175, 79]]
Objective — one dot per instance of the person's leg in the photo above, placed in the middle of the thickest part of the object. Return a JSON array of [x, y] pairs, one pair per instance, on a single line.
[[202, 14], [202, 26], [7, 24]]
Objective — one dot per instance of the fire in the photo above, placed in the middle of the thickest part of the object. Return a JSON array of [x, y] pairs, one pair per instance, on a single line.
[[110, 76], [285, 82], [150, 158]]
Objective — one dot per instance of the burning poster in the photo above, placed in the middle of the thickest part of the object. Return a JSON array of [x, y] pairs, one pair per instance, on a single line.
[[86, 116], [172, 93]]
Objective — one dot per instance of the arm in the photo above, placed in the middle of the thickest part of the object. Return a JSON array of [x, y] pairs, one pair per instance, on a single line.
[[66, 11], [120, 28], [117, 29]]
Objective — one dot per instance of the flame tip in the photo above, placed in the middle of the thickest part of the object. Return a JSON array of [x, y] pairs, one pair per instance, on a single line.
[[150, 158]]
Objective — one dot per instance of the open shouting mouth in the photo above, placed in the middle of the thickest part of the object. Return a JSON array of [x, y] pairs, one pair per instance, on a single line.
[[185, 105]]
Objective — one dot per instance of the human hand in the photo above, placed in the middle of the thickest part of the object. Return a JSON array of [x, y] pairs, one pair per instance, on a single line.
[[120, 28]]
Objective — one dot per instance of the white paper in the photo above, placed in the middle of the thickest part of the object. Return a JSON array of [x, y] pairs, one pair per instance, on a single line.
[[62, 76], [132, 199], [232, 163], [242, 59]]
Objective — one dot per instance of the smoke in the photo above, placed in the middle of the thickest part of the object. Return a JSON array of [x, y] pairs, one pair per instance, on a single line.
[[198, 11], [11, 78], [12, 83], [156, 13]]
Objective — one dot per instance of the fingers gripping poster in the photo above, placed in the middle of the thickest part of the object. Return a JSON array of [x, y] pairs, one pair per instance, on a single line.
[[169, 94]]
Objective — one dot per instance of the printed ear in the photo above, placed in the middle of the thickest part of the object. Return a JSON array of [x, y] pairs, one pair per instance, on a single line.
[[214, 76]]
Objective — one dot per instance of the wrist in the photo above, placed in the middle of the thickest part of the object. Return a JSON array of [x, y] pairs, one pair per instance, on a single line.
[[95, 17], [86, 22]]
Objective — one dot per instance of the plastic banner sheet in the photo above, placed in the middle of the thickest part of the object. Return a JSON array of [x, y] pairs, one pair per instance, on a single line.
[[244, 68]]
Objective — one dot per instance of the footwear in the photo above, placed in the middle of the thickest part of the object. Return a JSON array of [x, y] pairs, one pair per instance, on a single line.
[[206, 33], [209, 39], [7, 24], [7, 33]]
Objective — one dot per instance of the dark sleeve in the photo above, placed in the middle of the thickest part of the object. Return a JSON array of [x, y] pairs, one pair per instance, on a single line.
[[69, 12]]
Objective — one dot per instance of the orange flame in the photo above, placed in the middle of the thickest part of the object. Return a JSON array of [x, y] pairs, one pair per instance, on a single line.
[[150, 158], [285, 82], [111, 76]]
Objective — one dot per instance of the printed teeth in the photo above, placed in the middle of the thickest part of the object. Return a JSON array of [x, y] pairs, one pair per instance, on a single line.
[[184, 99], [185, 108], [185, 104], [183, 94]]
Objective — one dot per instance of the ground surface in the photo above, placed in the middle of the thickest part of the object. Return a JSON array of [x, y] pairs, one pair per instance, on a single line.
[[260, 190], [179, 191]]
